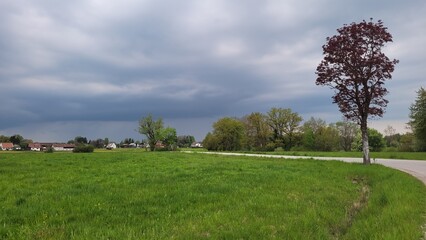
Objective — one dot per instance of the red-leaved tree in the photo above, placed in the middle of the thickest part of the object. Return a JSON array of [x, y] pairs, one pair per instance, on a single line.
[[356, 68]]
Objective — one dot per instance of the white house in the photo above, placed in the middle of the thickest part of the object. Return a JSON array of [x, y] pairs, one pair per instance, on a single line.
[[111, 146], [196, 145], [35, 147], [63, 147], [6, 146]]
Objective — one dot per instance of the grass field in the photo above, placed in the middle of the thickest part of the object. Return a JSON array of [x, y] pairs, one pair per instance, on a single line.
[[385, 155], [147, 195]]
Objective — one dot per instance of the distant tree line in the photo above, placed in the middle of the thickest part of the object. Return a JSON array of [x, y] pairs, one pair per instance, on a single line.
[[17, 140], [283, 129]]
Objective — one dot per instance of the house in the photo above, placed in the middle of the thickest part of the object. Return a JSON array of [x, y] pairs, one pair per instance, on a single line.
[[111, 146], [6, 146], [196, 145], [159, 145], [35, 147], [63, 147]]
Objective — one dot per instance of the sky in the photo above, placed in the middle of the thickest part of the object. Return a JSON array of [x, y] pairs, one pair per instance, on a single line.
[[93, 68]]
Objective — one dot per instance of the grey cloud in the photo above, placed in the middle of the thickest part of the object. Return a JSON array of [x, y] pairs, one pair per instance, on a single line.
[[97, 61]]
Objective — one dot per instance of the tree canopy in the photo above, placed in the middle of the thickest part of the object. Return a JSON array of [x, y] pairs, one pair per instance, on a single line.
[[418, 119], [356, 68]]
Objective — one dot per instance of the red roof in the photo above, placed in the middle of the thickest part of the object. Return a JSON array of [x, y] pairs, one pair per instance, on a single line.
[[64, 145], [7, 145], [34, 145]]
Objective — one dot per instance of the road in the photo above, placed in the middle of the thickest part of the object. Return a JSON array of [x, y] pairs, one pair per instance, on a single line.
[[416, 168]]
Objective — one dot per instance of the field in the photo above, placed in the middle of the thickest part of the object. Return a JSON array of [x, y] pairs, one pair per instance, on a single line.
[[148, 195], [385, 155]]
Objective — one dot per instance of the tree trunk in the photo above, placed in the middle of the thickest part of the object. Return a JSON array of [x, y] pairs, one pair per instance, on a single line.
[[365, 147]]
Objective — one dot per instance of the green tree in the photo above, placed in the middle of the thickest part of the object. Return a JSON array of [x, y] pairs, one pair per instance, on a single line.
[[16, 139], [185, 141], [168, 137], [228, 132], [406, 143], [4, 139], [376, 141], [347, 134], [210, 142], [284, 125], [80, 140], [418, 119], [318, 136], [257, 131], [151, 129]]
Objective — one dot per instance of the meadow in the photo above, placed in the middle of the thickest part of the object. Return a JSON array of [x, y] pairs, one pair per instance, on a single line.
[[166, 195], [383, 155]]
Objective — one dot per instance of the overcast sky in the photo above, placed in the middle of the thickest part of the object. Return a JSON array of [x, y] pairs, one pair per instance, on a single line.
[[94, 68]]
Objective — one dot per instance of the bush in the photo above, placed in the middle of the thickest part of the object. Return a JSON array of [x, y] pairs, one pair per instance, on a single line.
[[279, 149], [83, 148], [49, 150]]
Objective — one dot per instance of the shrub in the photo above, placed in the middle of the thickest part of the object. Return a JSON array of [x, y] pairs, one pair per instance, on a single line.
[[83, 148], [49, 150]]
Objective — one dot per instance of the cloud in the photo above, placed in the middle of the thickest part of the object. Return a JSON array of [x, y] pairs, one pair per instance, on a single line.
[[112, 62]]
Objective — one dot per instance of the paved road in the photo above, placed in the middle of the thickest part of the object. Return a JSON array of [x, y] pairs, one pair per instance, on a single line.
[[414, 167]]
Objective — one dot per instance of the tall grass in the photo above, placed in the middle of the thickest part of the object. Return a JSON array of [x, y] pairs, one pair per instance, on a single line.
[[147, 195]]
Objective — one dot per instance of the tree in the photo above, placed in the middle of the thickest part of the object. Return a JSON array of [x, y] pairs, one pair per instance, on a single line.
[[80, 140], [418, 119], [16, 139], [406, 143], [151, 129], [356, 68], [4, 139], [98, 143], [210, 142], [284, 124], [391, 137], [257, 131], [185, 141], [227, 135], [168, 137], [376, 141], [347, 134], [318, 136]]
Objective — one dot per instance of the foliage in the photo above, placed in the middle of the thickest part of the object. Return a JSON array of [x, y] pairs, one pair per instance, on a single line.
[[98, 143], [347, 133], [210, 142], [83, 148], [185, 141], [418, 119], [257, 131], [227, 135], [80, 140], [4, 139], [151, 129], [355, 67], [16, 139], [406, 143], [317, 136], [145, 195], [169, 138], [284, 124], [376, 141], [50, 150]]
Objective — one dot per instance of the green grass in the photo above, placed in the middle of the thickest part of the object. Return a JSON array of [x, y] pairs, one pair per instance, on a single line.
[[147, 195], [385, 155]]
